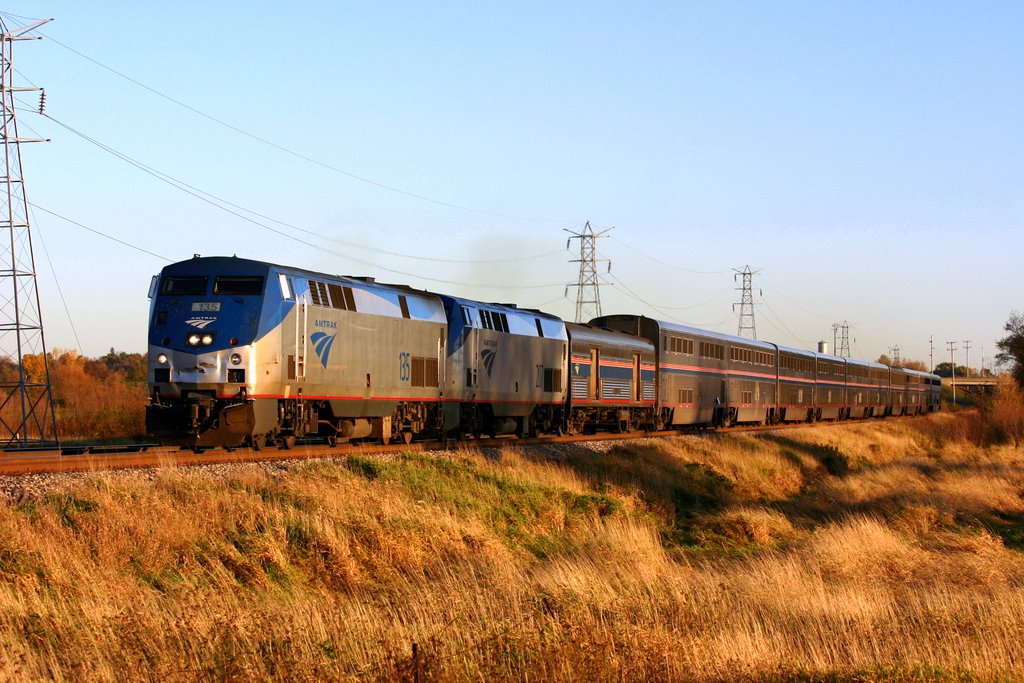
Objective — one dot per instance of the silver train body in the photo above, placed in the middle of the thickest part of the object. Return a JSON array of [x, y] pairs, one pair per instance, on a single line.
[[244, 352]]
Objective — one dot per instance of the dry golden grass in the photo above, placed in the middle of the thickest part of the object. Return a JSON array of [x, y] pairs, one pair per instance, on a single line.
[[862, 552]]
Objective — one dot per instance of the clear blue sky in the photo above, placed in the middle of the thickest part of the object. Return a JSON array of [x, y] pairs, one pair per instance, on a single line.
[[868, 157]]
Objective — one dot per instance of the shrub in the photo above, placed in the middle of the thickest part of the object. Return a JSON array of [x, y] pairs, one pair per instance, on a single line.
[[1004, 413]]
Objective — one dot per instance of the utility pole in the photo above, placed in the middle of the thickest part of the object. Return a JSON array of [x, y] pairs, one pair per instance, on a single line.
[[588, 294], [26, 400], [841, 339], [967, 361], [952, 364], [931, 353], [746, 303]]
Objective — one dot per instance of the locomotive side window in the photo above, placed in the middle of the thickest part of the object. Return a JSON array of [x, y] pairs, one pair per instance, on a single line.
[[238, 285], [286, 286], [184, 285]]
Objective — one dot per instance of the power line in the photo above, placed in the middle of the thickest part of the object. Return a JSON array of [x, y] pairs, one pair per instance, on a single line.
[[208, 196], [669, 265], [805, 310], [101, 234], [783, 325], [621, 286], [298, 155], [213, 200], [60, 290]]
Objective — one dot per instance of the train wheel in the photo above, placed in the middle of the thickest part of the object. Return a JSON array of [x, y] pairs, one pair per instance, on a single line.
[[287, 442], [257, 442]]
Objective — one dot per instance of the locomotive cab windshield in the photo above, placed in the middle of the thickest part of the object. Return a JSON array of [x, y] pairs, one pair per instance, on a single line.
[[196, 285]]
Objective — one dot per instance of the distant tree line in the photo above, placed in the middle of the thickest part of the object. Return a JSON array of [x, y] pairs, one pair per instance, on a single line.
[[93, 398], [908, 364]]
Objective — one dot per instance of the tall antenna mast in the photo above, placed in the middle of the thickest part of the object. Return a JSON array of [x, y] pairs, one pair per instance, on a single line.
[[26, 411], [746, 303], [588, 293]]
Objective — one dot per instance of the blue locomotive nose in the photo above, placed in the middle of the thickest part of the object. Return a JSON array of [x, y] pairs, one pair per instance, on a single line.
[[199, 313], [205, 317]]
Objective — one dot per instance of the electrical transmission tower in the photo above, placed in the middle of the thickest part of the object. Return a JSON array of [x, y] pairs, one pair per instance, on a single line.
[[746, 303], [26, 412], [841, 339], [588, 294], [896, 360]]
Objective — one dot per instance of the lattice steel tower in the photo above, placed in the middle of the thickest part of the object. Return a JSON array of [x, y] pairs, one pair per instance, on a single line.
[[841, 339], [588, 287], [897, 362], [26, 412], [746, 303]]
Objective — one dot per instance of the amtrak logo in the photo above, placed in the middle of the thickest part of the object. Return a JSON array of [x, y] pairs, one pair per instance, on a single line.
[[488, 356], [322, 344], [200, 322]]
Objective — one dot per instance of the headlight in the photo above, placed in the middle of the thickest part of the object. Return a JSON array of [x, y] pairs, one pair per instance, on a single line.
[[236, 359], [207, 339], [193, 340], [162, 359]]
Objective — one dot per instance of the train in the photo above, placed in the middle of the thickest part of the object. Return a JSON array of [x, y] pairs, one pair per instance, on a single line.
[[245, 353]]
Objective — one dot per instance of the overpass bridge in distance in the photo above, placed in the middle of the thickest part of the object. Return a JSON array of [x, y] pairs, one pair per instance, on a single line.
[[973, 385]]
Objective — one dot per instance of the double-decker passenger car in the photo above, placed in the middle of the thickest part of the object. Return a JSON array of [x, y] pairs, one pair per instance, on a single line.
[[705, 377], [752, 384], [797, 382], [830, 391], [867, 389], [919, 394]]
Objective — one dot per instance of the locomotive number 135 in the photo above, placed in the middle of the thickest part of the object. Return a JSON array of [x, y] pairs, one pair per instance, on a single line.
[[404, 367]]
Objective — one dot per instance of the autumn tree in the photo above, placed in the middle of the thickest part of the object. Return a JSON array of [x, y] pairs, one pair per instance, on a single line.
[[1011, 347], [908, 364]]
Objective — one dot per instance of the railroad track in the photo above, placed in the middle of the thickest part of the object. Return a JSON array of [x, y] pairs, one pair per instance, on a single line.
[[100, 458]]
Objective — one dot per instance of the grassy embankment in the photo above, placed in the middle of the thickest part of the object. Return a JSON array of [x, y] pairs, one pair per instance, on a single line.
[[872, 551]]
